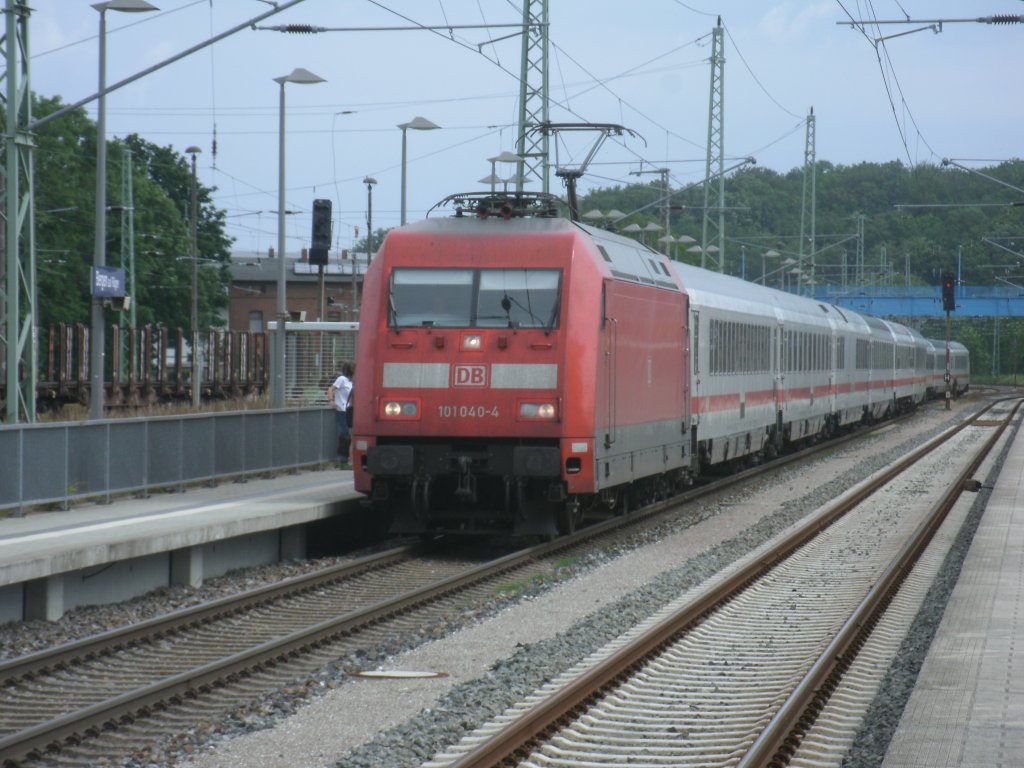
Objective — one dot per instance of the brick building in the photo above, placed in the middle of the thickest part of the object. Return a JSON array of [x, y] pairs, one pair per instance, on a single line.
[[252, 298]]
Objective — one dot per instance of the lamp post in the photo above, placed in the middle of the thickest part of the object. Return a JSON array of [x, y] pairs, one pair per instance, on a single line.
[[687, 242], [785, 264], [369, 181], [417, 124], [711, 250], [97, 333], [769, 254], [652, 228], [504, 157], [197, 360], [667, 242], [303, 77], [633, 229]]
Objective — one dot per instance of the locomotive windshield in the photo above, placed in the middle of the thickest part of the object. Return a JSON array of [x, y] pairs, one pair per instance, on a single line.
[[475, 298]]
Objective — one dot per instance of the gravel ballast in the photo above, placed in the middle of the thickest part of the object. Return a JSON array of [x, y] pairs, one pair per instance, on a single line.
[[498, 655]]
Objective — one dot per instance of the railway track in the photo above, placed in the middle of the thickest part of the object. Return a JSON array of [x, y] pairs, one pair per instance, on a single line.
[[742, 671], [85, 701]]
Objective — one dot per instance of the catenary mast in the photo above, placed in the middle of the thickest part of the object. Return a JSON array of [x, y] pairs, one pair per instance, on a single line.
[[713, 244], [533, 95]]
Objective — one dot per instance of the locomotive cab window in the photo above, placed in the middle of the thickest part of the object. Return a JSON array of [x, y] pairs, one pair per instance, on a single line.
[[475, 298], [518, 298]]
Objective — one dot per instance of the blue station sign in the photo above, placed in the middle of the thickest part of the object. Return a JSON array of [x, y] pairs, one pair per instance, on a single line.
[[108, 281]]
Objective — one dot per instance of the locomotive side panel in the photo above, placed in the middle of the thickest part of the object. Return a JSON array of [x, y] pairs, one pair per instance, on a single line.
[[642, 417]]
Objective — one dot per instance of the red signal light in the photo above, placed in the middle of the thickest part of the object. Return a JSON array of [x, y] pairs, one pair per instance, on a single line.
[[948, 292]]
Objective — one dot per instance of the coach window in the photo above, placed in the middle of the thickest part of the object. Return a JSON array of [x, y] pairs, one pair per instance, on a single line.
[[716, 345]]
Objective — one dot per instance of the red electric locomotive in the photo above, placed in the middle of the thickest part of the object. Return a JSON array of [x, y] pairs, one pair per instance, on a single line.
[[515, 368]]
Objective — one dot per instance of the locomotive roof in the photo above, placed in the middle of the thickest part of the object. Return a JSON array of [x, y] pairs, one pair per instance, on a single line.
[[627, 259], [631, 261]]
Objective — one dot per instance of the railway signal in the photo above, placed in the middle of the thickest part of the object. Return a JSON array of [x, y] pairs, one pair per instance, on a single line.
[[949, 292], [321, 231]]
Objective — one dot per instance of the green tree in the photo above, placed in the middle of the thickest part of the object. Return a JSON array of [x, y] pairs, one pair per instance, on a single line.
[[65, 183]]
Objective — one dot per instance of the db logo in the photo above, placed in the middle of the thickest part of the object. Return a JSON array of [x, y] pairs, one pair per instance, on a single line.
[[470, 376]]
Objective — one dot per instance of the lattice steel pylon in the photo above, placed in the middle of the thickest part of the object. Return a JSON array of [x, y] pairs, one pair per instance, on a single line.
[[18, 334], [714, 177], [809, 196], [533, 95]]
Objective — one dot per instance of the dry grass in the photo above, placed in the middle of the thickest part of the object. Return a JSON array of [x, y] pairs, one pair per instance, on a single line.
[[79, 412]]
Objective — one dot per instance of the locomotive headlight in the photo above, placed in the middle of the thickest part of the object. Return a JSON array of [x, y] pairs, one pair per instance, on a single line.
[[401, 409], [544, 411], [472, 342]]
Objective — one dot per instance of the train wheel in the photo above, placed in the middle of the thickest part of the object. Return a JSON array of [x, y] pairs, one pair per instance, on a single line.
[[568, 516]]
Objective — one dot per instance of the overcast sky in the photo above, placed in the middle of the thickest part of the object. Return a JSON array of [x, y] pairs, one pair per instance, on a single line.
[[915, 98]]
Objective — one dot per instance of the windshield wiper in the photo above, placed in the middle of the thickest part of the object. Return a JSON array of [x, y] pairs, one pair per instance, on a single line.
[[511, 300], [554, 314]]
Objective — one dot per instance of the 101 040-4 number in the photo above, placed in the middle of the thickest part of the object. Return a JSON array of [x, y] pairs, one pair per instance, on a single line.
[[467, 411]]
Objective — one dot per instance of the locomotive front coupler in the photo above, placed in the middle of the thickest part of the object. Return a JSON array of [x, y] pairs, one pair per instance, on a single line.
[[466, 487]]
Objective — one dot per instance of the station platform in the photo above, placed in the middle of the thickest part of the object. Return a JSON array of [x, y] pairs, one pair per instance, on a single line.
[[99, 553], [967, 707]]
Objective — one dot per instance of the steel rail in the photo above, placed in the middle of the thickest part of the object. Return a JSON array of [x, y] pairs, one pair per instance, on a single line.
[[132, 704], [780, 739], [128, 705], [517, 735], [112, 640], [106, 642]]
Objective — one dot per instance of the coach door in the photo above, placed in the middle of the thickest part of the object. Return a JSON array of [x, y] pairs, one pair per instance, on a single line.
[[610, 363], [833, 358], [696, 396], [779, 349]]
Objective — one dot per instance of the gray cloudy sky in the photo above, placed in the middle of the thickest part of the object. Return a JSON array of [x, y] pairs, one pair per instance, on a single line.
[[916, 98]]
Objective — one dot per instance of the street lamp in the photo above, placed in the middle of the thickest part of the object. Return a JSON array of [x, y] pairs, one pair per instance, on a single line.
[[633, 229], [667, 242], [504, 157], [97, 333], [303, 77], [652, 228], [770, 254], [369, 181], [711, 250], [197, 362], [417, 124], [784, 266]]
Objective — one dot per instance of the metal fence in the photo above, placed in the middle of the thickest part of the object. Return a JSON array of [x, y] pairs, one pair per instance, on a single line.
[[314, 354], [58, 463]]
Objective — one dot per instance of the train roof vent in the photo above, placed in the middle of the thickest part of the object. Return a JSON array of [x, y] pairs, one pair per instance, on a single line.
[[659, 267], [604, 254]]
